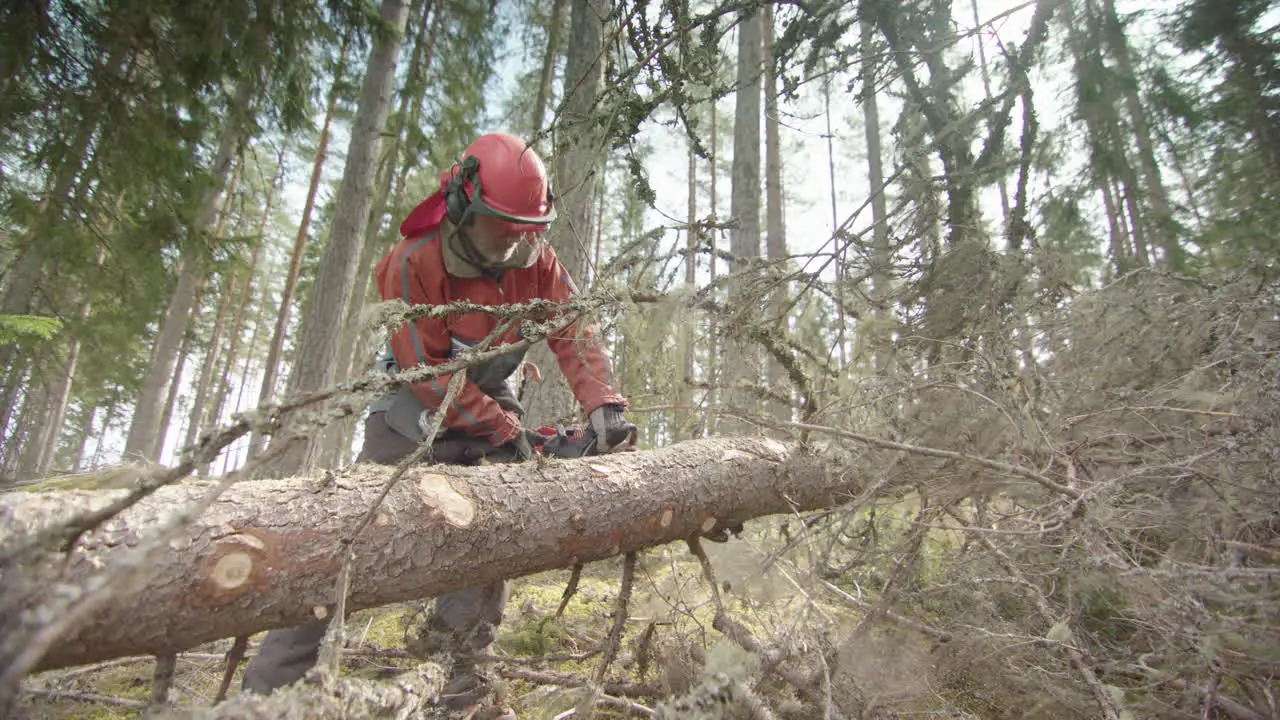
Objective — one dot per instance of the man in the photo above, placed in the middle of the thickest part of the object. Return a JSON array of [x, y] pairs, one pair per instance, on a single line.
[[478, 239]]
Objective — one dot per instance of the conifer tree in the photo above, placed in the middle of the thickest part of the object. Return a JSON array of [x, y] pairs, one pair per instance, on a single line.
[[881, 270], [575, 164], [775, 225], [1158, 213], [315, 363], [741, 359], [271, 365]]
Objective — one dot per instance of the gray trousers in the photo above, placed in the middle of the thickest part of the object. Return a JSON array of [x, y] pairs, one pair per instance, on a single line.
[[465, 621]]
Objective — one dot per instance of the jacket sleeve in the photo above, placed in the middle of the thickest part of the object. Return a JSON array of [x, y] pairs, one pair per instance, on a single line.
[[582, 359], [425, 341]]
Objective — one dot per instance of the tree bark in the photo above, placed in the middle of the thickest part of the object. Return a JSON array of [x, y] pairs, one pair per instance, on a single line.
[[715, 367], [400, 160], [881, 252], [396, 161], [741, 360], [230, 460], [838, 249], [60, 396], [775, 224], [19, 288], [266, 553], [688, 327], [317, 355]]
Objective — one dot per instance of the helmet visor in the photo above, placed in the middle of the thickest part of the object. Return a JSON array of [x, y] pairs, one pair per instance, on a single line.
[[526, 223]]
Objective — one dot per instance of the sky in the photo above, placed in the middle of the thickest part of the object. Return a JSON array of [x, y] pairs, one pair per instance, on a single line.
[[807, 182]]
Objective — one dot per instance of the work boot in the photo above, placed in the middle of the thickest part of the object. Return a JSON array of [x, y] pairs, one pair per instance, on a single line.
[[469, 693], [721, 534], [467, 688]]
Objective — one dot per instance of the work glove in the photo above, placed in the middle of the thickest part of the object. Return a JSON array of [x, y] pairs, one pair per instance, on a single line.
[[524, 445], [460, 450], [613, 432]]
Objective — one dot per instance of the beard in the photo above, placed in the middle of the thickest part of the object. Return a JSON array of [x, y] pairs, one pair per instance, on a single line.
[[494, 252], [496, 256]]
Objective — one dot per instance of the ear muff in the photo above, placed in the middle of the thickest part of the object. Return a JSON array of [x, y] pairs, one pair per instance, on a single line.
[[456, 200]]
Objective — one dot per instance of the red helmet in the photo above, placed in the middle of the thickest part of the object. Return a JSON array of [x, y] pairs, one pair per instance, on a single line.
[[501, 176]]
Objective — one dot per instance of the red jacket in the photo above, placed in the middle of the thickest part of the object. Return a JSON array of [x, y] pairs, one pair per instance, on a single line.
[[415, 272]]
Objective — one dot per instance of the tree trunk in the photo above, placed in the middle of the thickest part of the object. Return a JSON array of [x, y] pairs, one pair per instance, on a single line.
[[203, 383], [577, 157], [1117, 232], [317, 346], [1108, 159], [349, 348], [881, 252], [21, 285], [19, 288], [184, 353], [267, 553], [715, 366], [199, 405], [145, 430], [1161, 223], [410, 153], [214, 415], [86, 431], [396, 162], [100, 447], [272, 366], [576, 162], [555, 28], [60, 396], [260, 321], [741, 359], [838, 249], [688, 328], [986, 88], [775, 224], [14, 380], [32, 423]]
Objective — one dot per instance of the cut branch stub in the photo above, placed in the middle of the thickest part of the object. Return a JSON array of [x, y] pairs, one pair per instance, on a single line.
[[442, 499]]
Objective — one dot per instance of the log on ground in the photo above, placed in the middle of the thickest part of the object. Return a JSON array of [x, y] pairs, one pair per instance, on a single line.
[[268, 552]]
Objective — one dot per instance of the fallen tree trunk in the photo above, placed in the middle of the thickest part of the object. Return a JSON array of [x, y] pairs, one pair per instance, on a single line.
[[266, 554]]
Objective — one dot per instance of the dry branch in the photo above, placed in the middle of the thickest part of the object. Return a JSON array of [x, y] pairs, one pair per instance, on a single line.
[[267, 553], [568, 680], [406, 696]]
